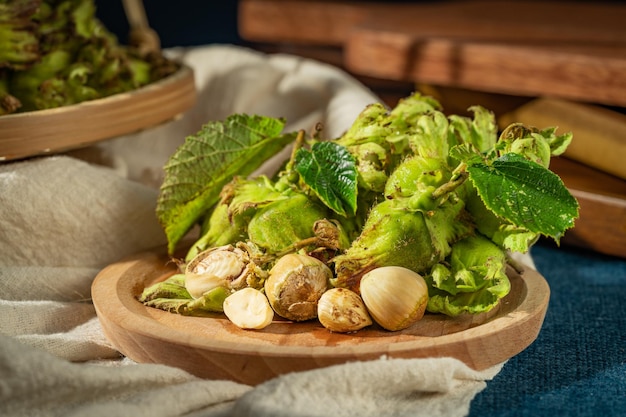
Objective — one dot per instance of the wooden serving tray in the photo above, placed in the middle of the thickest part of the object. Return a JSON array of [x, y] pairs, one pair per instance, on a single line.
[[55, 130], [214, 348]]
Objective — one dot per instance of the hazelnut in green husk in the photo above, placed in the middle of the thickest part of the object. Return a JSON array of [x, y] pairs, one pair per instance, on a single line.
[[393, 235], [472, 280], [412, 228], [281, 223]]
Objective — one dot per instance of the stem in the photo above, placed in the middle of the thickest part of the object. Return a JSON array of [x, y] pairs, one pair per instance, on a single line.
[[298, 245], [289, 176], [296, 146], [459, 175]]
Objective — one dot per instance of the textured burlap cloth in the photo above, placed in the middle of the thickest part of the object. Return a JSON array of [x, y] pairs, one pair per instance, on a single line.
[[64, 218]]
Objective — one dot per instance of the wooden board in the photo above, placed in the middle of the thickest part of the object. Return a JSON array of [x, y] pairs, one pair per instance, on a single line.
[[214, 348], [49, 131], [326, 22], [601, 225], [574, 50]]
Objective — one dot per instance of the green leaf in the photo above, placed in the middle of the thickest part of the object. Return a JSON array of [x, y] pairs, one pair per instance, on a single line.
[[330, 171], [197, 171], [526, 194]]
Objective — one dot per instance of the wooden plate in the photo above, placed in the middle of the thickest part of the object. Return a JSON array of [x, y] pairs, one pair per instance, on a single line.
[[47, 131], [214, 348]]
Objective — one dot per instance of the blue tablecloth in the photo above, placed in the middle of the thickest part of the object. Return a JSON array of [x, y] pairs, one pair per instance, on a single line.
[[577, 365]]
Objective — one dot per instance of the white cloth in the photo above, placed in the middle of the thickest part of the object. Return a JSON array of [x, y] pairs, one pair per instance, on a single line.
[[63, 219]]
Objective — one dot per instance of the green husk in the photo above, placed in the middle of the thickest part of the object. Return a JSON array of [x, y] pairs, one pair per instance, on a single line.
[[474, 282], [392, 235], [280, 224], [171, 295]]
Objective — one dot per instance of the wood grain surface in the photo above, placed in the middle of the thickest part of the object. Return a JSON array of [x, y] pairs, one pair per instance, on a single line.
[[48, 131], [214, 348], [574, 50], [602, 199]]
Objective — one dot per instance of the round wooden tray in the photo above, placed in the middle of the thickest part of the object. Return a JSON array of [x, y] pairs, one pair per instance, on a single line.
[[214, 348], [47, 131]]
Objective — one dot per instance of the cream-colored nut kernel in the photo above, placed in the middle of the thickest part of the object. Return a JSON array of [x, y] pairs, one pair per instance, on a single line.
[[249, 309], [210, 269], [199, 284]]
